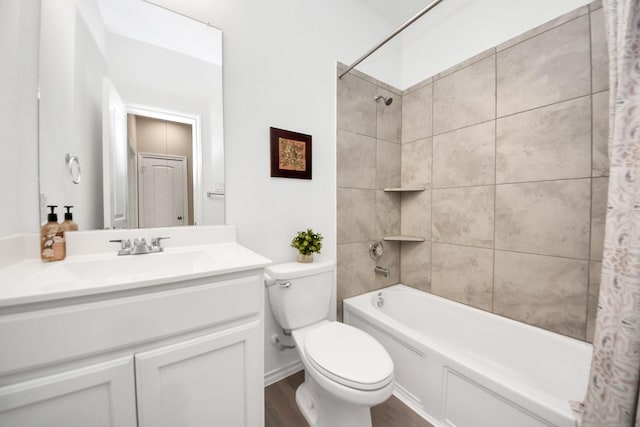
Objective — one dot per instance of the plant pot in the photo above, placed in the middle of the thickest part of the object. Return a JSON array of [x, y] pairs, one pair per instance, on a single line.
[[305, 258]]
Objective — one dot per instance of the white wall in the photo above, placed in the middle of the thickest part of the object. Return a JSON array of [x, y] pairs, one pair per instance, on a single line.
[[19, 27]]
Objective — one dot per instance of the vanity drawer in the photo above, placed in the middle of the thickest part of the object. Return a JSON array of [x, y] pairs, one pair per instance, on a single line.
[[37, 338]]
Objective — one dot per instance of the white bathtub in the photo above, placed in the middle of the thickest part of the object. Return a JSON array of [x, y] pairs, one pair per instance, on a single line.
[[459, 366]]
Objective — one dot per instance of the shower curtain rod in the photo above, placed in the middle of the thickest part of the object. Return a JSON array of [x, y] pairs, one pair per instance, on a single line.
[[392, 35]]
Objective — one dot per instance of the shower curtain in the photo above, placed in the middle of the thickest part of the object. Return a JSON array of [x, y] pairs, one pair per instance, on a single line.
[[612, 395]]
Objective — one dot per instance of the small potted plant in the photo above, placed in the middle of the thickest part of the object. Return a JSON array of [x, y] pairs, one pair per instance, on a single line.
[[307, 243]]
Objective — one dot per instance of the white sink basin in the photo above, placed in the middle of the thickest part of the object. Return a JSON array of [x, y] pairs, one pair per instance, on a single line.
[[140, 266]]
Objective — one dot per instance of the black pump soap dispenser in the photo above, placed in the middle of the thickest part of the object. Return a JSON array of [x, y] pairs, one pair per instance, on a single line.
[[52, 241], [68, 224]]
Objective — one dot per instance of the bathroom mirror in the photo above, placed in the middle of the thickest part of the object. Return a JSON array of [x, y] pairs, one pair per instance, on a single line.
[[133, 93]]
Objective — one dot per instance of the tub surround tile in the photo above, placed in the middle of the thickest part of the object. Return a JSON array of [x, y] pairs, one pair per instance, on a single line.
[[387, 214], [552, 142], [465, 97], [465, 157], [463, 216], [417, 86], [356, 105], [599, 190], [463, 274], [563, 19], [417, 114], [415, 265], [476, 58], [415, 213], [394, 90], [356, 162], [389, 120], [600, 166], [391, 260], [355, 274], [543, 291], [356, 215], [594, 5], [548, 68], [599, 52], [550, 218], [595, 270], [388, 164], [416, 163]]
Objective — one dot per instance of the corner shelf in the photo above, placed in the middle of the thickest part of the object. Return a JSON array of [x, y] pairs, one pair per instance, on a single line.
[[404, 189], [403, 238]]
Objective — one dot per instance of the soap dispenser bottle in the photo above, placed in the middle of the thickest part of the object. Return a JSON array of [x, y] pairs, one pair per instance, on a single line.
[[52, 242], [68, 224]]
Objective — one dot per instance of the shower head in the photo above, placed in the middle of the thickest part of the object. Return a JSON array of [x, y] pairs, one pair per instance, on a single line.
[[387, 101]]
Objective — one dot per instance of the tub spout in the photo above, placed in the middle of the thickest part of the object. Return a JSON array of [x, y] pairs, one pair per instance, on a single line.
[[382, 270]]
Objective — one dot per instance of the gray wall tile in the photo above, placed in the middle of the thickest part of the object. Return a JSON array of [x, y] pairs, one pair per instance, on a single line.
[[356, 162], [465, 157], [463, 274], [415, 265], [355, 274], [595, 270], [543, 291], [416, 163], [599, 52], [389, 117], [552, 142], [356, 105], [475, 58], [563, 19], [600, 165], [550, 218], [388, 164], [465, 97], [550, 67], [416, 214], [387, 214], [391, 260], [599, 190], [356, 215], [417, 114], [464, 216]]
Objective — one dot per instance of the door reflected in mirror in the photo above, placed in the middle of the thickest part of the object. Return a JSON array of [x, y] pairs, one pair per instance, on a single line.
[[134, 91]]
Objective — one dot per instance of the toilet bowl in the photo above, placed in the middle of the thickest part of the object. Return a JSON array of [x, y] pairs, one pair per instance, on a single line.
[[346, 370]]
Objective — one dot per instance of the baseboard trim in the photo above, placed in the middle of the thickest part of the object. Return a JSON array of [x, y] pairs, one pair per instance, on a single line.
[[283, 372]]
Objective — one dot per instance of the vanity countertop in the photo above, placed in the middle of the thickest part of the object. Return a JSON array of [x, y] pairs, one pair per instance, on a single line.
[[99, 272]]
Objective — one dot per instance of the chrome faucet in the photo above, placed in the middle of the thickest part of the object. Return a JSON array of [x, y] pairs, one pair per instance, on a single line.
[[139, 246], [382, 270]]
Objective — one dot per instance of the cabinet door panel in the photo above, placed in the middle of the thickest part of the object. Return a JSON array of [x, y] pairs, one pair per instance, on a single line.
[[213, 380], [98, 395]]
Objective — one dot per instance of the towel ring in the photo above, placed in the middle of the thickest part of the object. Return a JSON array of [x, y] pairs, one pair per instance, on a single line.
[[73, 166]]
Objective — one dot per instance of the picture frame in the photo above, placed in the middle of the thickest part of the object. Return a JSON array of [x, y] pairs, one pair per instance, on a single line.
[[290, 154]]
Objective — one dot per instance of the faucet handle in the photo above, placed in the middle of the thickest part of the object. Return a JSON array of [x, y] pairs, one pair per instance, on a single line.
[[125, 246], [156, 243]]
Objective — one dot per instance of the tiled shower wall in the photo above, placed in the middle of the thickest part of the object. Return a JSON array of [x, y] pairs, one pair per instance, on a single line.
[[511, 147], [369, 159]]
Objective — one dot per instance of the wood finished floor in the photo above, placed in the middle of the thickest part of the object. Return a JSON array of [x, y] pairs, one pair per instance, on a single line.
[[280, 409]]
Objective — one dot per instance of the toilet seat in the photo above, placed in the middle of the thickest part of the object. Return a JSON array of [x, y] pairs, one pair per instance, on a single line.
[[348, 356]]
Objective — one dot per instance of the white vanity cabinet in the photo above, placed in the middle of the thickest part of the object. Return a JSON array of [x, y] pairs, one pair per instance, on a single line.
[[182, 353]]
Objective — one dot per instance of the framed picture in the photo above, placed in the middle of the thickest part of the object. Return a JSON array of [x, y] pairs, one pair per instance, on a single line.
[[290, 154]]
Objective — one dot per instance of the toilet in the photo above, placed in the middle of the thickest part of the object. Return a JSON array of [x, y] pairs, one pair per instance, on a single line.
[[346, 370]]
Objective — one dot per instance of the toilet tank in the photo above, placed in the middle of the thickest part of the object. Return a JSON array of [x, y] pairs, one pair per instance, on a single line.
[[300, 293]]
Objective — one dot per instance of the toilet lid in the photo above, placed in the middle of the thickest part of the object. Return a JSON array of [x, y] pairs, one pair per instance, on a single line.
[[349, 356]]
